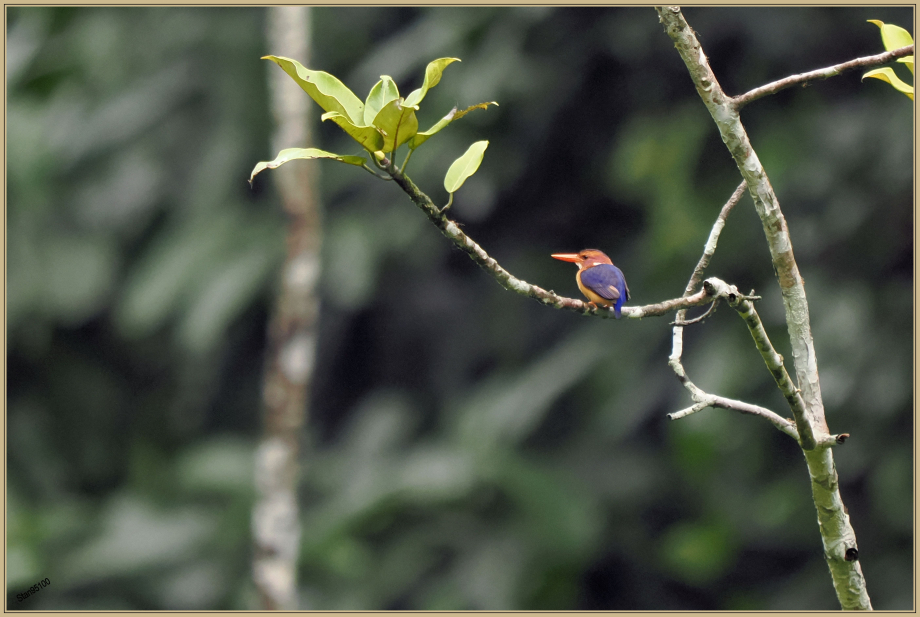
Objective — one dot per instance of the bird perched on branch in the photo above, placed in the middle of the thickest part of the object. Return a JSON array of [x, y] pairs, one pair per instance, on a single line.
[[601, 281]]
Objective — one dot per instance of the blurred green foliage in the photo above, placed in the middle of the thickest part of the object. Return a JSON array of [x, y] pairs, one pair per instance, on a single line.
[[466, 448]]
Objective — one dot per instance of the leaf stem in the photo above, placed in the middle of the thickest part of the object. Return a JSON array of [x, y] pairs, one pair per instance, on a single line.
[[406, 162], [374, 173]]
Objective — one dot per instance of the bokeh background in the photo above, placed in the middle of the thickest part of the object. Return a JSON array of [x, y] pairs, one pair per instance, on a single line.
[[466, 448]]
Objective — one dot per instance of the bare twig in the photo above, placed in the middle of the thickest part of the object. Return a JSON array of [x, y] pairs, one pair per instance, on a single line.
[[703, 399], [831, 71], [689, 322], [709, 400], [710, 248], [708, 251], [718, 289]]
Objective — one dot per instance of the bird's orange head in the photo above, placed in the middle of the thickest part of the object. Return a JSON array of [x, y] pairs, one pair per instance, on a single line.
[[584, 259]]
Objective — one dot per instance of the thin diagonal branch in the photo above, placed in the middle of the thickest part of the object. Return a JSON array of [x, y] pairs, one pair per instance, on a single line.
[[709, 400], [710, 248], [504, 278], [831, 71], [708, 251], [689, 322]]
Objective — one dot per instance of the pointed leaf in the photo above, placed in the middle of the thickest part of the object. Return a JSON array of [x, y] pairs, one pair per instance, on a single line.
[[893, 37], [465, 166], [328, 92], [397, 123], [290, 154], [382, 93], [432, 77], [369, 138], [909, 61], [886, 74], [422, 137]]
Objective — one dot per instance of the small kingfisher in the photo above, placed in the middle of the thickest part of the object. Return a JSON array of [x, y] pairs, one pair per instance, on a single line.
[[601, 281]]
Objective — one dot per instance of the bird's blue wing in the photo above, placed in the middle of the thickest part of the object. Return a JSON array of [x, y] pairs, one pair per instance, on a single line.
[[605, 280]]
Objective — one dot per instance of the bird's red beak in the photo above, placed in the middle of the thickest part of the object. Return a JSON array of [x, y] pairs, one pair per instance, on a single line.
[[573, 257]]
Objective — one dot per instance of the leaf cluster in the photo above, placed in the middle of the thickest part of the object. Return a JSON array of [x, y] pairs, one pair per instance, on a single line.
[[894, 37], [381, 124]]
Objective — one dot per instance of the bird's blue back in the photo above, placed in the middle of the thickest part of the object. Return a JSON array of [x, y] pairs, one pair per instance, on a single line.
[[601, 278]]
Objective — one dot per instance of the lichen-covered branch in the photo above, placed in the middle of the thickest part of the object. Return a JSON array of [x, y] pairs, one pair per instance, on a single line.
[[840, 549], [773, 360], [837, 534], [803, 79]]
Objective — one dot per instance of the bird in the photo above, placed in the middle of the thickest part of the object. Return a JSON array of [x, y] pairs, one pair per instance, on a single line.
[[598, 279]]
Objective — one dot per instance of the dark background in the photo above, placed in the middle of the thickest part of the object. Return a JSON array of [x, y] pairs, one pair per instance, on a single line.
[[467, 448]]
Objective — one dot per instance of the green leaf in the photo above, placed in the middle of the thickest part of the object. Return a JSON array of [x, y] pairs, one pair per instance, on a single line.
[[398, 124], [465, 166], [893, 37], [382, 93], [368, 136], [328, 92], [432, 77], [886, 74], [422, 137], [290, 154]]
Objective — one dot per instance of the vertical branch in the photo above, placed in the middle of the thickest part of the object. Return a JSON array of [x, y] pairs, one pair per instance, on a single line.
[[792, 286], [837, 534], [291, 330]]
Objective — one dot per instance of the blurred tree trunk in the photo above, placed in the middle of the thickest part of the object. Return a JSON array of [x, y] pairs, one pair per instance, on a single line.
[[291, 330]]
